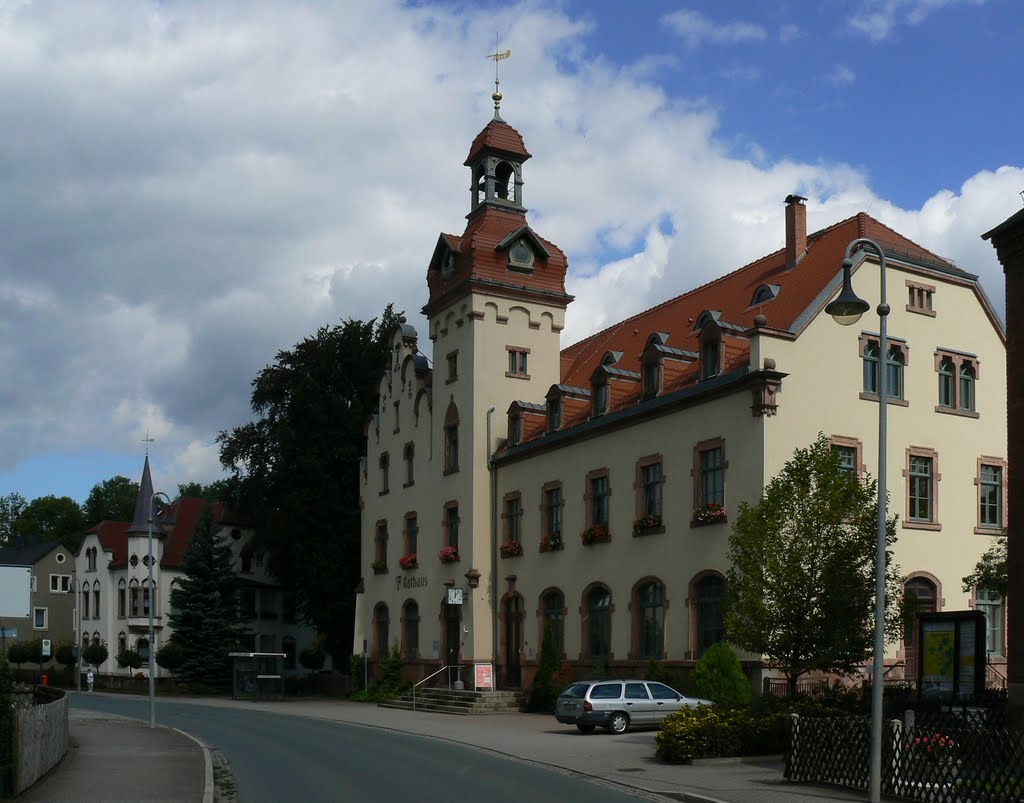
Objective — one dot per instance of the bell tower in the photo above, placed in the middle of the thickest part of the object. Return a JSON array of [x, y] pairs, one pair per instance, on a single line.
[[496, 165]]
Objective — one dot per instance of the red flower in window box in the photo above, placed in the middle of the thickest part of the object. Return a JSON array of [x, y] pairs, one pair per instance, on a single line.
[[551, 542], [448, 554], [711, 513], [647, 522], [408, 561], [511, 549], [598, 534]]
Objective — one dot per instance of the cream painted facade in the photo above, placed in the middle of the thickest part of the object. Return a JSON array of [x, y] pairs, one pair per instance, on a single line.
[[801, 377]]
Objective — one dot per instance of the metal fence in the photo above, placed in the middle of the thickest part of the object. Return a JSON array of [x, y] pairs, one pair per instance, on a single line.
[[961, 756]]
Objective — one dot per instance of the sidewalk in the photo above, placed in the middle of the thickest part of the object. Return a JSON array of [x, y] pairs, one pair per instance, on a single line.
[[114, 759]]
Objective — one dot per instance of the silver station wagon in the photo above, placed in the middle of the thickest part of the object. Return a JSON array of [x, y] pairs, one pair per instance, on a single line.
[[619, 704]]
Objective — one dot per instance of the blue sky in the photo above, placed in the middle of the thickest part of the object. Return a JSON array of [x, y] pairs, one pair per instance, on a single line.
[[191, 186]]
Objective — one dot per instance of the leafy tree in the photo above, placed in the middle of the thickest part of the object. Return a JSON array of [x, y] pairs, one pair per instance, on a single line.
[[719, 677], [95, 654], [129, 659], [543, 693], [991, 571], [65, 656], [19, 653], [214, 492], [111, 500], [296, 466], [170, 656], [11, 507], [52, 518], [313, 657], [207, 623], [801, 587]]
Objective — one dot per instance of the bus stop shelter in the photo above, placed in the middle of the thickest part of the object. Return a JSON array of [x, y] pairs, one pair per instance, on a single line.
[[257, 675]]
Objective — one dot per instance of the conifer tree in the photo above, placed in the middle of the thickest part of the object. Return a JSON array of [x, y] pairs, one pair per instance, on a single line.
[[206, 620]]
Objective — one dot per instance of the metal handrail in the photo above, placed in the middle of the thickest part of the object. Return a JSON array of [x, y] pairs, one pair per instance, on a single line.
[[428, 677]]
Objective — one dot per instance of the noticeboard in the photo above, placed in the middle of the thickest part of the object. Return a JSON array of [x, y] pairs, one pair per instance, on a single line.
[[484, 677], [952, 655]]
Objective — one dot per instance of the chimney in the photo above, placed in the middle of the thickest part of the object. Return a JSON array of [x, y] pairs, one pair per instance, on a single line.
[[796, 229]]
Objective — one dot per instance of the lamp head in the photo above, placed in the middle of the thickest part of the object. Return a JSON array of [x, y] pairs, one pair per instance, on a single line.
[[847, 307]]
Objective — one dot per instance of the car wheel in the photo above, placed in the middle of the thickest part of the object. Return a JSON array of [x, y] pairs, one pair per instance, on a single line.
[[618, 722], [585, 728]]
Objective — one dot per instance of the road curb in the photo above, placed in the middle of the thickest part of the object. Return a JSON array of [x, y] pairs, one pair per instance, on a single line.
[[207, 765]]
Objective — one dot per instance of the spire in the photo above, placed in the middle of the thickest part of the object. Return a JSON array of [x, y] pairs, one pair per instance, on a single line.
[[140, 521]]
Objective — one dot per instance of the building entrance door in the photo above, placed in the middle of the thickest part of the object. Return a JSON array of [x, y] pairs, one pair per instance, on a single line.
[[452, 634], [513, 640]]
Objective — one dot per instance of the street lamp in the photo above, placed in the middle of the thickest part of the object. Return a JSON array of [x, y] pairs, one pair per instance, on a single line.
[[152, 604], [846, 310]]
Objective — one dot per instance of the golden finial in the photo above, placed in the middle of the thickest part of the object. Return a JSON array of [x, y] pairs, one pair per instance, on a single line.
[[497, 56]]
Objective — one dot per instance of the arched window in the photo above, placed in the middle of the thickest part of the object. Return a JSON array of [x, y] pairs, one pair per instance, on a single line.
[[121, 598], [894, 376], [947, 390], [709, 629], [553, 612], [650, 624], [85, 599], [133, 597], [96, 638], [600, 397], [451, 438], [505, 182], [381, 621], [411, 634], [122, 642], [96, 600], [920, 596], [142, 648], [598, 605], [871, 368], [146, 597]]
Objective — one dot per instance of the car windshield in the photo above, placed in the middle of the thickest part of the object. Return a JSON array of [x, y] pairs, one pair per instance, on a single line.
[[578, 690]]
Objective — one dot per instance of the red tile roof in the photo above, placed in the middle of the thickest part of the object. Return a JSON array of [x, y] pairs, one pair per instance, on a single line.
[[498, 135]]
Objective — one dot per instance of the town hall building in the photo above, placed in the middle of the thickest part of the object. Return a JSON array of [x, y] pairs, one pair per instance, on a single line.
[[512, 482]]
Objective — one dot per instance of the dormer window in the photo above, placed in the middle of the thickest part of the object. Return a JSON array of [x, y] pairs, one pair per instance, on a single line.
[[652, 379], [600, 397], [515, 430], [520, 257], [448, 265], [710, 356], [554, 413], [764, 293]]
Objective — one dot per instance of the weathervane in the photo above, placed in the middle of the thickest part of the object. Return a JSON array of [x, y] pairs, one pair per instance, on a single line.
[[497, 56]]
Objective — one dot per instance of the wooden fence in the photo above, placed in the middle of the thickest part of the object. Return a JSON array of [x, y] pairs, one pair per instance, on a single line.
[[40, 737]]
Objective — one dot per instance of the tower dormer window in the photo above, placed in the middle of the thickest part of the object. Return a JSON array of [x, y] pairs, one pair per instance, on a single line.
[[764, 293], [505, 182], [448, 265], [520, 257], [600, 397]]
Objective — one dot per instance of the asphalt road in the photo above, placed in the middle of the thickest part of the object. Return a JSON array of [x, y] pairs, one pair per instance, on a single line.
[[279, 757]]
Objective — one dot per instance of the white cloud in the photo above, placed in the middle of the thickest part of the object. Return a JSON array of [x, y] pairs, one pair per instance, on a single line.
[[878, 19], [841, 75], [190, 187], [694, 28], [789, 32]]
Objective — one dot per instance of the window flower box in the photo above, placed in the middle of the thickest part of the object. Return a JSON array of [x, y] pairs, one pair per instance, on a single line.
[[379, 566], [551, 542], [448, 554], [712, 513], [598, 534], [408, 561], [511, 549], [649, 523]]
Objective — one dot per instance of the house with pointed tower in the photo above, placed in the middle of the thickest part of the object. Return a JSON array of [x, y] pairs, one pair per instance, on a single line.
[[115, 595], [510, 483]]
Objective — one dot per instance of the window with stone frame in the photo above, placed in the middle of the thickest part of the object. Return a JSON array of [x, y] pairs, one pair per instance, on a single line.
[[451, 525], [40, 618], [85, 600], [512, 518], [708, 626], [597, 605], [993, 606], [709, 475], [451, 439], [957, 374], [452, 360], [121, 599], [652, 374], [380, 542], [850, 452], [133, 598], [919, 298], [381, 623], [649, 485], [598, 495], [518, 362], [409, 457], [553, 615], [385, 471], [649, 621], [551, 512], [895, 365], [411, 630], [410, 534], [96, 600], [922, 475], [991, 479]]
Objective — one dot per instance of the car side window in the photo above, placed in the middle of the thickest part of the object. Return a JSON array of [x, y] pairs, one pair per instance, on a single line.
[[636, 691], [607, 691], [662, 692], [578, 690]]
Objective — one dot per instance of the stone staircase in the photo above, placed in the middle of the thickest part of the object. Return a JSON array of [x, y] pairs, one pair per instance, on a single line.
[[450, 701]]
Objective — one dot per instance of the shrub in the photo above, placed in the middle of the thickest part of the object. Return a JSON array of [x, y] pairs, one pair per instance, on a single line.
[[719, 677], [392, 682], [313, 657], [701, 732], [129, 659], [544, 693], [170, 656], [95, 654]]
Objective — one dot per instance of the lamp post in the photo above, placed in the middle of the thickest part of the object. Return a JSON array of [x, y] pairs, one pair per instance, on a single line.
[[847, 310], [152, 605], [76, 586]]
